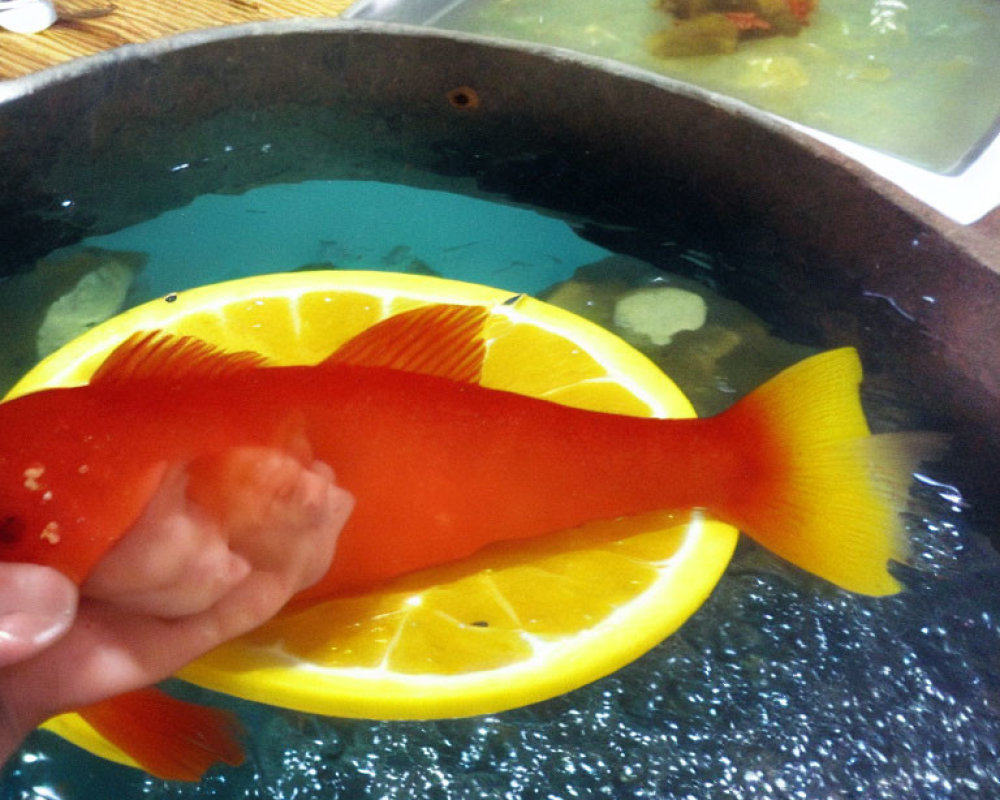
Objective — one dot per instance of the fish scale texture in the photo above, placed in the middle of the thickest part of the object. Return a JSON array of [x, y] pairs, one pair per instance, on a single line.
[[778, 688]]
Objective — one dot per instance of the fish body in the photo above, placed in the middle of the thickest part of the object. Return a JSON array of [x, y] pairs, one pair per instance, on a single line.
[[441, 466]]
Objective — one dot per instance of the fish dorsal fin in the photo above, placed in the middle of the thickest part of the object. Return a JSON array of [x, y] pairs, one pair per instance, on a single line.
[[442, 340], [156, 354]]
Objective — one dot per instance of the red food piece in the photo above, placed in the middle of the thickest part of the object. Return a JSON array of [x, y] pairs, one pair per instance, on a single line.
[[748, 20]]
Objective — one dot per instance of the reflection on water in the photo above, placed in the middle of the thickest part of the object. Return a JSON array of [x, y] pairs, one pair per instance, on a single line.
[[779, 687], [352, 225]]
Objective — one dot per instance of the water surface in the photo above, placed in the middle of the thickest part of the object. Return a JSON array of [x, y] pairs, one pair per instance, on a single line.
[[779, 687]]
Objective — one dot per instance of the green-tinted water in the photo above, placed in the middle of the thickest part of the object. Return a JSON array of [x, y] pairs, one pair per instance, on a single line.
[[915, 78]]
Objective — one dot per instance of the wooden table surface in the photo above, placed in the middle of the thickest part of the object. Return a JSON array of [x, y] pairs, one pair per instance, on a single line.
[[86, 27]]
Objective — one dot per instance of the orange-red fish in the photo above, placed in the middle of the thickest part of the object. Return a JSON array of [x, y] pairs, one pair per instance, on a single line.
[[439, 466]]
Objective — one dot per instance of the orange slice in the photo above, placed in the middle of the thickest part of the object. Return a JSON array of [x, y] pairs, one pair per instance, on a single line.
[[519, 622]]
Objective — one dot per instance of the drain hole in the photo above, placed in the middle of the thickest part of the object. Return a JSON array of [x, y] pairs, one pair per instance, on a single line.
[[464, 98]]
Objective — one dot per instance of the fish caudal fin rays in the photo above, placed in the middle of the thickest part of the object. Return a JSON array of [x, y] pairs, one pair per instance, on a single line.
[[152, 354], [167, 737], [826, 494], [442, 340]]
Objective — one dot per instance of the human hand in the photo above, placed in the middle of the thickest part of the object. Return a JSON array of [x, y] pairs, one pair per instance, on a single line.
[[183, 580], [213, 522], [37, 606]]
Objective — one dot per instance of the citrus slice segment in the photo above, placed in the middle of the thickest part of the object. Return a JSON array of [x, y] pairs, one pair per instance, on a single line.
[[517, 623], [511, 626]]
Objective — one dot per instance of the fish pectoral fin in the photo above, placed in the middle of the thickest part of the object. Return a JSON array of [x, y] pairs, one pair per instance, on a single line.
[[153, 354], [441, 340], [167, 737]]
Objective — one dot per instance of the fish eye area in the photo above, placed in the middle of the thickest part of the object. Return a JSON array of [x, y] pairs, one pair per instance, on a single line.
[[11, 529]]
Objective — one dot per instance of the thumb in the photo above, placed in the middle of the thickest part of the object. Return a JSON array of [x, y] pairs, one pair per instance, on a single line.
[[37, 606]]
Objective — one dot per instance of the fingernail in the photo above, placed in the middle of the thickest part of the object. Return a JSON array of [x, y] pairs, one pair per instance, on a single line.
[[34, 630], [37, 606]]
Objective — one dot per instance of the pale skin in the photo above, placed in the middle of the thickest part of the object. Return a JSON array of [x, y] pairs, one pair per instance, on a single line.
[[183, 580]]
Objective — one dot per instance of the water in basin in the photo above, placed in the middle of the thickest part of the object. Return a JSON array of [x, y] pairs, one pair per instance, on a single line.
[[780, 686]]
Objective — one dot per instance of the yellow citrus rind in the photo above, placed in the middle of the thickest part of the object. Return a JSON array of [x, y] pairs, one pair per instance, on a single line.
[[515, 662], [519, 622]]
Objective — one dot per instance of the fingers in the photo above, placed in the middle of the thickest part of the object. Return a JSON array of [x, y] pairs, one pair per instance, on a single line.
[[111, 650], [180, 583], [335, 508], [173, 562], [289, 516], [37, 607], [147, 554], [207, 528]]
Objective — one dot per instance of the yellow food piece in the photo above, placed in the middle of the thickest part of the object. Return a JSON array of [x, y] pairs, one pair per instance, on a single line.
[[517, 623], [658, 314], [773, 72], [701, 35]]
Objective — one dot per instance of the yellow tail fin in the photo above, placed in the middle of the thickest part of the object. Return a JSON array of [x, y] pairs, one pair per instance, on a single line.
[[825, 493]]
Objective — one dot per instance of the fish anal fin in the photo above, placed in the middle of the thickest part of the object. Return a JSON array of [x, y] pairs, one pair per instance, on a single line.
[[167, 737], [156, 354], [441, 340]]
